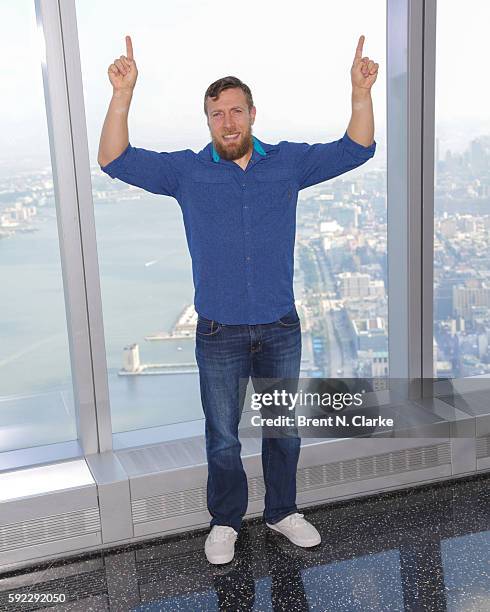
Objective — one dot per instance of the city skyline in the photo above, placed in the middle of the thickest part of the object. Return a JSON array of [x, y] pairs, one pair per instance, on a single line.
[[342, 231]]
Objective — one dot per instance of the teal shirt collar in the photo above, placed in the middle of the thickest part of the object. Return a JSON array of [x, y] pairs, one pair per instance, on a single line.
[[257, 147]]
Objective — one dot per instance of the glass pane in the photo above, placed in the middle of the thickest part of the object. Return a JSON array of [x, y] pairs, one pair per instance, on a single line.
[[36, 398], [147, 291], [462, 192], [464, 560], [356, 584]]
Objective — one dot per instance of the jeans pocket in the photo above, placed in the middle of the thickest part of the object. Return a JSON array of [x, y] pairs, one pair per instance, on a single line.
[[290, 319], [207, 327]]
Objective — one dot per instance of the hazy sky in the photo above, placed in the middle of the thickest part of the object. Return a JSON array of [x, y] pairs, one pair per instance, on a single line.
[[295, 56]]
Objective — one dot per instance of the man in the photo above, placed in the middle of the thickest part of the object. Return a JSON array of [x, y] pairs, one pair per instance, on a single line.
[[238, 197]]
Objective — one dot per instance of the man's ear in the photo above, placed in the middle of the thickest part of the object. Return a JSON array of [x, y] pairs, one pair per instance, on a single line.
[[253, 111]]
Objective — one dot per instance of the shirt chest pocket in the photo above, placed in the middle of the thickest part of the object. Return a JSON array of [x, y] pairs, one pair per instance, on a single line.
[[210, 193], [275, 187]]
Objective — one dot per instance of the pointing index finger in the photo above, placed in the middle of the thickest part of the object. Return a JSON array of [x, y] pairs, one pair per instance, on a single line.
[[359, 47], [129, 48]]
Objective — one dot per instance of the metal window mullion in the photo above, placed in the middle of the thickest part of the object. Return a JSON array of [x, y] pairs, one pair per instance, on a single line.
[[414, 201], [87, 220], [428, 140], [405, 37], [76, 239]]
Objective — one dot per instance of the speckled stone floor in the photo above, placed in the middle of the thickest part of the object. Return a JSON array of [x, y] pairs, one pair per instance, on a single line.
[[420, 549]]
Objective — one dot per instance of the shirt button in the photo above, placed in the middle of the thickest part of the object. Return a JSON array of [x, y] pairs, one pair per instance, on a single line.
[[243, 185], [245, 207], [248, 258]]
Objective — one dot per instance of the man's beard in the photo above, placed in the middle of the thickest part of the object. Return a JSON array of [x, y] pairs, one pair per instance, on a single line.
[[232, 152]]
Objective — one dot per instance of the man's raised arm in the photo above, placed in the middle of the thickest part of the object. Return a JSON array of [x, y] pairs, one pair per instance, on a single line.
[[114, 137], [363, 75]]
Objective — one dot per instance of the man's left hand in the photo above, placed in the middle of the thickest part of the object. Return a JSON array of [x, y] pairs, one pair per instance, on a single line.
[[364, 71]]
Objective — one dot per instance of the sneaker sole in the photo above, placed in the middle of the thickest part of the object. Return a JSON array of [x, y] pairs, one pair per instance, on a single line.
[[298, 543]]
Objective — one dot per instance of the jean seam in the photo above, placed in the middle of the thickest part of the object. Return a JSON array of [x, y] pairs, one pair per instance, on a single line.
[[267, 472]]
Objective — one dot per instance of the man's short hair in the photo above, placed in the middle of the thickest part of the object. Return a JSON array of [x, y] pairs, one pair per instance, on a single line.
[[229, 82]]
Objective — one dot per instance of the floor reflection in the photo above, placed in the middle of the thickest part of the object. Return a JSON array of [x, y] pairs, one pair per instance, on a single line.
[[423, 549]]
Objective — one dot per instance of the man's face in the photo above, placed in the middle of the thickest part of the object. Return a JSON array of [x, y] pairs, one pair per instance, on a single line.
[[229, 116]]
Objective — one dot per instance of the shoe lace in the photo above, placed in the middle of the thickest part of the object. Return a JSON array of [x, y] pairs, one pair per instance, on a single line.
[[222, 533], [296, 518]]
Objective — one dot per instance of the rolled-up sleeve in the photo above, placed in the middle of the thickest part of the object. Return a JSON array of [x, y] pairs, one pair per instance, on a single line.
[[320, 162], [153, 171]]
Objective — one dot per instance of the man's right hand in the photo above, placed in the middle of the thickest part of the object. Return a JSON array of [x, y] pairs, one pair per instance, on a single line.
[[123, 72]]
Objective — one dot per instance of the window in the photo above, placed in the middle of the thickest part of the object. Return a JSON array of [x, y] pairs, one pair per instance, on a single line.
[[146, 283], [36, 397], [462, 195]]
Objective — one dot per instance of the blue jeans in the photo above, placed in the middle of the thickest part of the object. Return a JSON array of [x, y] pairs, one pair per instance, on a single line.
[[225, 354]]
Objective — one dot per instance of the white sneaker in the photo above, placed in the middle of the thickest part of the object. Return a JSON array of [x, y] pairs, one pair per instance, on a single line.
[[220, 544], [298, 530]]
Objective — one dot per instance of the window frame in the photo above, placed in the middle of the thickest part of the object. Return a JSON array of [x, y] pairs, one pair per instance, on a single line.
[[411, 44], [410, 65]]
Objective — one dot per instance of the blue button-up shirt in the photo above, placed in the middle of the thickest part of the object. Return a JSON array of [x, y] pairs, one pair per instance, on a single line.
[[240, 224]]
